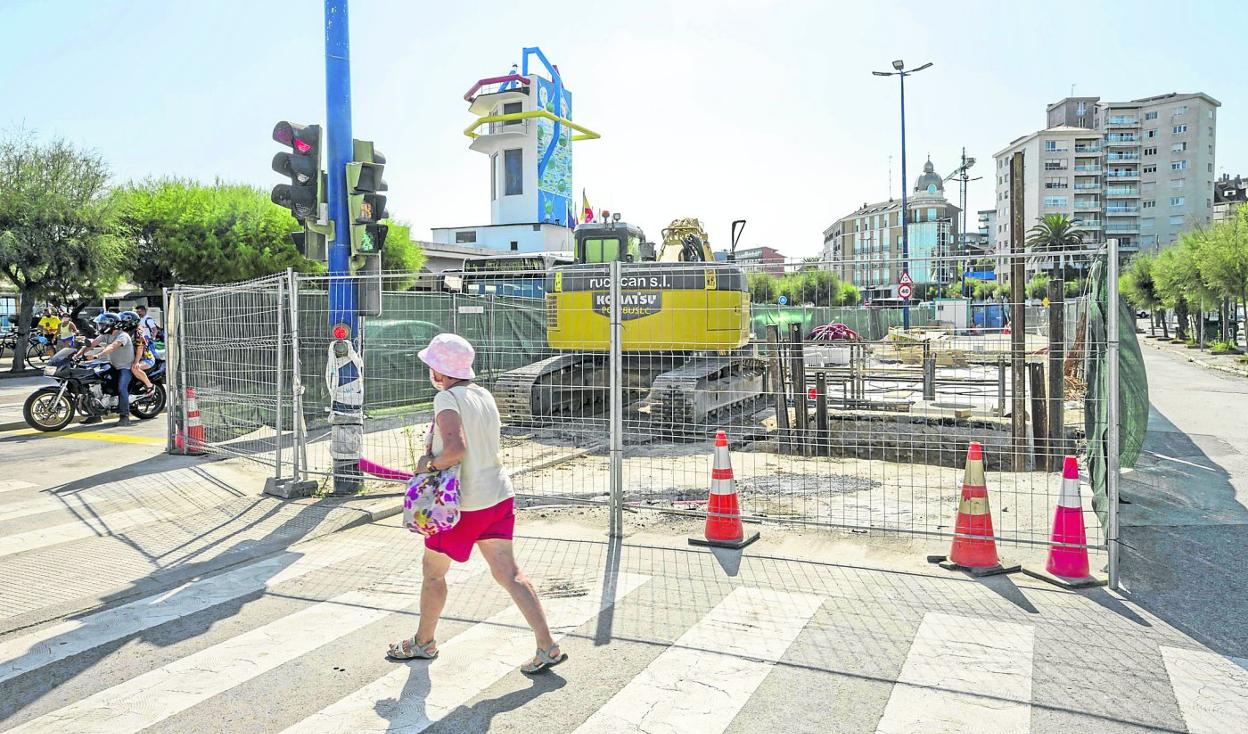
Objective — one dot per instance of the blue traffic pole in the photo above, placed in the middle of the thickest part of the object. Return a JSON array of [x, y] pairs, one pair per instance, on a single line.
[[905, 215], [342, 309], [346, 415]]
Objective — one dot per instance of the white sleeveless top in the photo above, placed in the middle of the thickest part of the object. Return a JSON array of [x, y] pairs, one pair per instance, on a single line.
[[483, 482]]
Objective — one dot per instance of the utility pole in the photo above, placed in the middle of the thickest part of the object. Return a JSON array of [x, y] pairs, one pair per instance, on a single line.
[[346, 412], [901, 72]]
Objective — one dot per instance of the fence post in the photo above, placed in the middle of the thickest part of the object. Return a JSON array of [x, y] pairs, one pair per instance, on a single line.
[[299, 457], [800, 404], [777, 385], [616, 529], [1111, 449], [171, 387], [1057, 379], [277, 416], [180, 337], [929, 372]]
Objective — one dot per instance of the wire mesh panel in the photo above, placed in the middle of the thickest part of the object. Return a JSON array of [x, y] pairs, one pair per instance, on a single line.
[[552, 401], [232, 349], [838, 415]]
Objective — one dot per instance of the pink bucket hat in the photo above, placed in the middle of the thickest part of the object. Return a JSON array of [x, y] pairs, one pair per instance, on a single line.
[[451, 355]]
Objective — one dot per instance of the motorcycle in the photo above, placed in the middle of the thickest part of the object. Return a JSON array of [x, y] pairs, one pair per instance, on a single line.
[[88, 387]]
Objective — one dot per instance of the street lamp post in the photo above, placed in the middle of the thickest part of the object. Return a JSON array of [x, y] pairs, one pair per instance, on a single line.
[[901, 72]]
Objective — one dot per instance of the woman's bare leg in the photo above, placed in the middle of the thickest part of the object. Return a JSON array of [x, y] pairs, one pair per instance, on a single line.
[[432, 593], [498, 554]]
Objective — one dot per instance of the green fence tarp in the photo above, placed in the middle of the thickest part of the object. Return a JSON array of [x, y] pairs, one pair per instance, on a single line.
[[1132, 391]]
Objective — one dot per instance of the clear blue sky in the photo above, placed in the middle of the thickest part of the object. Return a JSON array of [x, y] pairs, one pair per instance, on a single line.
[[720, 110]]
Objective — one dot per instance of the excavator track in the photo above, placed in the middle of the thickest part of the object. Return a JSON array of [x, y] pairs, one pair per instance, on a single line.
[[695, 398], [563, 386]]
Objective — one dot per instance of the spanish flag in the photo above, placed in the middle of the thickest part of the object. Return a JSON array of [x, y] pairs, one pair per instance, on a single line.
[[586, 209]]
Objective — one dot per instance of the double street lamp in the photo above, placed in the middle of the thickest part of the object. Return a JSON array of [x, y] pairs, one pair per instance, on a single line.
[[901, 72]]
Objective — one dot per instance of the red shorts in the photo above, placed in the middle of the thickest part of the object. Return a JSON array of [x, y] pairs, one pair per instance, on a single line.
[[497, 522]]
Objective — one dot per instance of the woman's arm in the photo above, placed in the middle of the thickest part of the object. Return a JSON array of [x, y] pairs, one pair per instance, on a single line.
[[451, 431]]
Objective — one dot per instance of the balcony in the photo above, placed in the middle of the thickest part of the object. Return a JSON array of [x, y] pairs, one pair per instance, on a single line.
[[1089, 223], [1121, 211], [1088, 204], [1121, 191], [1121, 139], [1087, 169], [1122, 157], [1087, 150], [1086, 186], [1123, 121], [1122, 227], [1122, 173]]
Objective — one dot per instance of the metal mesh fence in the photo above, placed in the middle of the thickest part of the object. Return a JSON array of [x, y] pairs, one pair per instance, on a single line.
[[837, 415], [231, 356]]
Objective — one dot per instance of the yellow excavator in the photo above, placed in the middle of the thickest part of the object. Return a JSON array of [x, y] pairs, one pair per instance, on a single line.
[[685, 321]]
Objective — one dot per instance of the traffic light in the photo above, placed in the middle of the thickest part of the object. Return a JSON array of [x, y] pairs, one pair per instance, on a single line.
[[367, 205], [303, 194]]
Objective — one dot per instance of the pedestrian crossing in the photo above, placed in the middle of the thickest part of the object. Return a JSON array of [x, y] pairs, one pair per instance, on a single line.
[[957, 673]]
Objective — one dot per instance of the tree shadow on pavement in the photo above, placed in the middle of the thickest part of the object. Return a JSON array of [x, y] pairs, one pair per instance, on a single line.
[[1183, 539]]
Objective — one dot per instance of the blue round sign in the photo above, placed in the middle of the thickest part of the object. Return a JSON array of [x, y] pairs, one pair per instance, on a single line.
[[783, 300]]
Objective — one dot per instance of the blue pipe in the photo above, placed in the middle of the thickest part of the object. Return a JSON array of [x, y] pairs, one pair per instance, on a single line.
[[558, 129], [342, 291]]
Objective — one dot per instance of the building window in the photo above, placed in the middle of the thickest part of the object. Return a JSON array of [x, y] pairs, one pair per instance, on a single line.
[[493, 176], [1178, 147], [1148, 203], [1176, 183], [1150, 133], [465, 238], [1180, 110], [1176, 219], [515, 246], [1055, 202], [1179, 129], [1055, 182], [1178, 200], [1150, 168], [1178, 166], [513, 175], [1150, 150], [1055, 165], [1150, 115], [931, 215], [1210, 165], [1050, 145]]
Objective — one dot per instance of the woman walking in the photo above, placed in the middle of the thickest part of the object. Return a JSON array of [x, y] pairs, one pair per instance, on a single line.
[[466, 433]]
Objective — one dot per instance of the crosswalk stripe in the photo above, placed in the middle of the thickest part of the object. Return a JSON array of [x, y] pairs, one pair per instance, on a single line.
[[87, 527], [1212, 690], [963, 675], [467, 664], [8, 485], [60, 641], [701, 682], [158, 694]]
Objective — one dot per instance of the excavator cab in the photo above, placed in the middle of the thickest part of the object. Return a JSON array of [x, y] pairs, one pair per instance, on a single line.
[[603, 243]]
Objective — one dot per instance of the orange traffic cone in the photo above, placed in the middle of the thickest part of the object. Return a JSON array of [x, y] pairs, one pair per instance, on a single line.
[[1068, 555], [974, 548], [195, 440], [723, 513]]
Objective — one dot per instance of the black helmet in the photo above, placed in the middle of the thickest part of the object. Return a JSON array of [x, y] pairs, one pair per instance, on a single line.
[[128, 320], [106, 322]]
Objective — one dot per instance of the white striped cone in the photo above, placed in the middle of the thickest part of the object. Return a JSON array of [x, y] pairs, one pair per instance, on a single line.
[[722, 481], [195, 438], [1068, 556], [723, 513]]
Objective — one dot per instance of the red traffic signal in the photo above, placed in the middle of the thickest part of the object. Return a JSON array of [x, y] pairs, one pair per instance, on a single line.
[[302, 166]]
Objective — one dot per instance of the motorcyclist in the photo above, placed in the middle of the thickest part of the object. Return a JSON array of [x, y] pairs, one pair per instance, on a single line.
[[104, 324], [120, 353], [144, 358]]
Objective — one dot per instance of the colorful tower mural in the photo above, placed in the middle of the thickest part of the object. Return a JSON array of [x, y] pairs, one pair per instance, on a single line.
[[524, 126]]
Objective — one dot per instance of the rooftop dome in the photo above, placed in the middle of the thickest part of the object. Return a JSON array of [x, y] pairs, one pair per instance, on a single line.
[[930, 182]]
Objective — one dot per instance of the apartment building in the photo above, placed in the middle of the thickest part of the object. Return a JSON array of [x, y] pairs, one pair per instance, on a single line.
[[1063, 173], [1158, 160], [864, 247], [1229, 194]]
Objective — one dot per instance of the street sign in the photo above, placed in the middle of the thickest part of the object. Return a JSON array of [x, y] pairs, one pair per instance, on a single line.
[[905, 279], [783, 300], [904, 291]]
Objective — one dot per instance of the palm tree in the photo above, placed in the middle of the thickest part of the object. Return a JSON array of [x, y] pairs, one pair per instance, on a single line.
[[1056, 233]]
